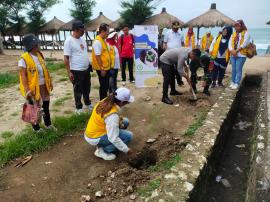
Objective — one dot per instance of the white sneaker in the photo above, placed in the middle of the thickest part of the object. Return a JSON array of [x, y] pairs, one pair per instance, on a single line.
[[41, 130], [105, 156], [89, 107], [79, 111], [235, 87], [51, 127], [232, 84]]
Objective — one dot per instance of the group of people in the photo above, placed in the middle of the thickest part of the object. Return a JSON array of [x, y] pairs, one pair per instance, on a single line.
[[181, 55], [106, 129]]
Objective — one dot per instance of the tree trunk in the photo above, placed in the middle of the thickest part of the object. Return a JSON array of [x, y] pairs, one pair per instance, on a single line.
[[1, 45]]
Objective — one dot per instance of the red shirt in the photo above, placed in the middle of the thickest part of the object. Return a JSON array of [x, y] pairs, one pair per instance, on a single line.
[[126, 51]]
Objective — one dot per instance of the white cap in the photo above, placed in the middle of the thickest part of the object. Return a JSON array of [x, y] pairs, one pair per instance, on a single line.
[[111, 35], [124, 95]]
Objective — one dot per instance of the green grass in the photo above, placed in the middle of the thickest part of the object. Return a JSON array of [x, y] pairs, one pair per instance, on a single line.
[[63, 79], [61, 101], [8, 79], [27, 142], [196, 125], [55, 66], [14, 114], [6, 134], [68, 112], [148, 189], [93, 74], [166, 165]]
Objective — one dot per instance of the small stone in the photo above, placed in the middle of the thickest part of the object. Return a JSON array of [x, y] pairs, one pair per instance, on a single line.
[[85, 198], [64, 143], [226, 183], [189, 147], [151, 140], [161, 200], [130, 189], [33, 185], [262, 125], [132, 197], [170, 176], [147, 98], [218, 178], [89, 185], [99, 194], [112, 175], [188, 186], [45, 178], [48, 162], [177, 105], [238, 169]]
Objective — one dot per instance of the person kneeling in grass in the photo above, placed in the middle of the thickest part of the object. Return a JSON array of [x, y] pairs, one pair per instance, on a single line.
[[35, 80], [106, 129]]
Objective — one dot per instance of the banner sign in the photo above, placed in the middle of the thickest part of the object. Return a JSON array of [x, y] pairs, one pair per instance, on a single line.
[[146, 55]]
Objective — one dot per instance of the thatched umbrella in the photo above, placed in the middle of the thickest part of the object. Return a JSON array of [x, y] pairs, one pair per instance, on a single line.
[[163, 20], [117, 23], [211, 18], [67, 26], [94, 24], [52, 28]]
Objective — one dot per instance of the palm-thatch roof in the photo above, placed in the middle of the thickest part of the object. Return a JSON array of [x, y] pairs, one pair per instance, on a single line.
[[94, 24], [67, 26], [52, 26], [268, 23], [211, 18], [117, 23], [13, 31], [163, 20]]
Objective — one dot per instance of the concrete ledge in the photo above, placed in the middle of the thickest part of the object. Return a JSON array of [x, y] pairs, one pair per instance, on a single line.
[[187, 180]]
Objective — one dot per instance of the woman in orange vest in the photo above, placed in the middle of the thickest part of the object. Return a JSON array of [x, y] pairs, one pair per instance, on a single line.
[[237, 46], [219, 52], [105, 128], [35, 80], [190, 38]]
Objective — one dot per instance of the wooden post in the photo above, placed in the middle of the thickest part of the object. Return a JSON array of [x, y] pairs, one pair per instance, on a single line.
[[1, 45], [65, 34], [198, 36]]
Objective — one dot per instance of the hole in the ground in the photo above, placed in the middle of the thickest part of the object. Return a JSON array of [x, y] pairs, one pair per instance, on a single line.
[[144, 159]]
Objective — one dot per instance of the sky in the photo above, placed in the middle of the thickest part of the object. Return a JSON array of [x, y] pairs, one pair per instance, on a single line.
[[255, 13]]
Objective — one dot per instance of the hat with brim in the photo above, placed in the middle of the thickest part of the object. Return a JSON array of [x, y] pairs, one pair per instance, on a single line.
[[124, 95], [175, 25], [112, 34]]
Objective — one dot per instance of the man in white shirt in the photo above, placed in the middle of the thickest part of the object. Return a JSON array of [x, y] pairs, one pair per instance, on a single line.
[[77, 64], [174, 39]]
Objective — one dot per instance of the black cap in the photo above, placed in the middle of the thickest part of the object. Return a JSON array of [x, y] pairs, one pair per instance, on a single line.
[[77, 24], [176, 24], [30, 41]]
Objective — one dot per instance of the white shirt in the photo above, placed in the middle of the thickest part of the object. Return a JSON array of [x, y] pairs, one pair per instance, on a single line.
[[116, 58], [244, 45], [97, 46], [112, 127], [41, 78], [173, 39], [76, 49]]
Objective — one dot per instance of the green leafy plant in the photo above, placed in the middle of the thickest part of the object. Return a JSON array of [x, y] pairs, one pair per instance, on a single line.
[[149, 188], [196, 125]]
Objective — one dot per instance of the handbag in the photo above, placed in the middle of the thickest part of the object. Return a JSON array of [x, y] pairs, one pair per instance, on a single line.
[[31, 113], [251, 50]]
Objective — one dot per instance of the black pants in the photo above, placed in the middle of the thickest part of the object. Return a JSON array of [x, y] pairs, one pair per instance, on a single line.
[[168, 78], [177, 75], [81, 87], [46, 115], [104, 84], [129, 62], [113, 80]]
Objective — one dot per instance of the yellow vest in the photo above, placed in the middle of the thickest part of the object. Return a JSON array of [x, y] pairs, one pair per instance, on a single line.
[[96, 126], [243, 51], [192, 41], [215, 50], [32, 75], [204, 45], [107, 56]]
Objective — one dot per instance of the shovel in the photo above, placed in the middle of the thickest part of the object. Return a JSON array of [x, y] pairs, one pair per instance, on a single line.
[[191, 89]]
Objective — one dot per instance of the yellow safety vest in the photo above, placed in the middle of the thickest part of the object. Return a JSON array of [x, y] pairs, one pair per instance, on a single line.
[[243, 51], [107, 56], [33, 76], [214, 52], [96, 126], [204, 45], [192, 41]]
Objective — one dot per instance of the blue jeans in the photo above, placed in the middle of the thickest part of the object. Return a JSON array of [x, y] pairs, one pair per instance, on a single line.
[[237, 67], [125, 136]]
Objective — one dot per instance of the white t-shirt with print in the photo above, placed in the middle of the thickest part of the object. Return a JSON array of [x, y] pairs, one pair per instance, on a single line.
[[41, 78], [76, 49]]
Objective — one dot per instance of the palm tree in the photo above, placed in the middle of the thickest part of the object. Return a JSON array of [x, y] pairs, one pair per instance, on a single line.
[[137, 11]]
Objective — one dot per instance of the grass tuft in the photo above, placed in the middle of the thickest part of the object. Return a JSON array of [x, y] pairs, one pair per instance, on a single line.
[[27, 142], [196, 125], [8, 79], [6, 134], [55, 66], [61, 101], [166, 165], [148, 189]]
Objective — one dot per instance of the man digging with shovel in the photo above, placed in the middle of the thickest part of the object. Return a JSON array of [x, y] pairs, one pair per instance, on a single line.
[[177, 56]]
